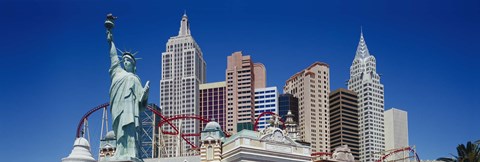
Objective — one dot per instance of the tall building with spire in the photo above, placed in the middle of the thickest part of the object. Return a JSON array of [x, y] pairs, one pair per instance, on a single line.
[[365, 81], [183, 70]]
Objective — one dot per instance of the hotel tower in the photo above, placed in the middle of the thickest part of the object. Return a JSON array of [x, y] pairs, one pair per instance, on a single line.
[[183, 70], [365, 81], [312, 86]]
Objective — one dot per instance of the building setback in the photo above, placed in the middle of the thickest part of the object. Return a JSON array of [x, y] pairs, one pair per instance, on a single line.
[[242, 75], [344, 121], [213, 103], [365, 81], [183, 70], [265, 101], [312, 86]]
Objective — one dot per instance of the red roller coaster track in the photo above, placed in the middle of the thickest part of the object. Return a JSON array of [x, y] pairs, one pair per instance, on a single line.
[[162, 122], [79, 127], [410, 149], [182, 135]]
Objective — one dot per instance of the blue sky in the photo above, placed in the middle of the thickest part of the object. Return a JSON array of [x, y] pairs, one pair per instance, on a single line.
[[55, 59]]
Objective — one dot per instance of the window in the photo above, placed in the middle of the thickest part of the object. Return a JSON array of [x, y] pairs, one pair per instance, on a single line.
[[210, 153]]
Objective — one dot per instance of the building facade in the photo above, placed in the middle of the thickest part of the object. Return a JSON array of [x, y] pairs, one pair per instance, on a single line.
[[213, 103], [265, 101], [312, 86], [344, 121], [260, 73], [211, 139], [288, 102], [272, 144], [291, 126], [365, 81], [183, 70], [108, 146], [396, 129], [241, 76]]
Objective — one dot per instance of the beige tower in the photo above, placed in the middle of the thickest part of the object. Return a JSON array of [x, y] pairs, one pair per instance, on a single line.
[[211, 140], [241, 76], [312, 86], [259, 72]]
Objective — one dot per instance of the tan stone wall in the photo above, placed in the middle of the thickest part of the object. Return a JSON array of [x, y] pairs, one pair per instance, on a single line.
[[260, 75], [240, 91], [312, 86]]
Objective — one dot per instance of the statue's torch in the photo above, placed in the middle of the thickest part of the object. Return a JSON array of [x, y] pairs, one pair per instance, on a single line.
[[109, 22], [109, 25]]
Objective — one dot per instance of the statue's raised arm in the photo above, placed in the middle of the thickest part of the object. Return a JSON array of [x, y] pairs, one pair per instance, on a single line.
[[109, 24], [128, 99]]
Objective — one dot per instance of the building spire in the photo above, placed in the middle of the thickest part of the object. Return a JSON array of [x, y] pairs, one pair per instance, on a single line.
[[184, 25], [362, 50], [361, 31]]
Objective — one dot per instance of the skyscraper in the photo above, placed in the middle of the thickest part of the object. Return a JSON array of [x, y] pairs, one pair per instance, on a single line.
[[265, 101], [344, 120], [312, 86], [242, 77], [365, 81], [288, 102], [183, 70], [213, 103], [396, 129]]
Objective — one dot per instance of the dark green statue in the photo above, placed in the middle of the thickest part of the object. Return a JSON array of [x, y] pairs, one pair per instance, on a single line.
[[127, 99]]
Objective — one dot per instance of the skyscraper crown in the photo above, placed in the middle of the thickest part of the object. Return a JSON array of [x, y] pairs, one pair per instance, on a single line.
[[184, 26], [362, 50]]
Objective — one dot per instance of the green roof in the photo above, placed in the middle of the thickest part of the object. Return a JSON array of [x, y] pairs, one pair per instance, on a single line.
[[244, 133]]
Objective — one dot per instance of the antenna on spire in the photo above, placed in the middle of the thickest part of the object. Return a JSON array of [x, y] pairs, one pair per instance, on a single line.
[[184, 25], [361, 30]]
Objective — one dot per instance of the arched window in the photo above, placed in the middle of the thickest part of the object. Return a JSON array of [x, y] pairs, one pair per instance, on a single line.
[[210, 153]]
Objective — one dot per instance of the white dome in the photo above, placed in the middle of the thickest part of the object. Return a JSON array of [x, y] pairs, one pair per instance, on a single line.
[[81, 152], [110, 135], [212, 126], [81, 142]]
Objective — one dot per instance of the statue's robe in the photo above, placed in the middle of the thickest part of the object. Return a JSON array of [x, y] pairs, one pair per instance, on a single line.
[[125, 95]]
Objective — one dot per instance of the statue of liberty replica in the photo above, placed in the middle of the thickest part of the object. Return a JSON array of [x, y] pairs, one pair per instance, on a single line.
[[127, 100]]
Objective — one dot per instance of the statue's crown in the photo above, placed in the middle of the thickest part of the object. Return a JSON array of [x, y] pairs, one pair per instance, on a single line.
[[130, 55]]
